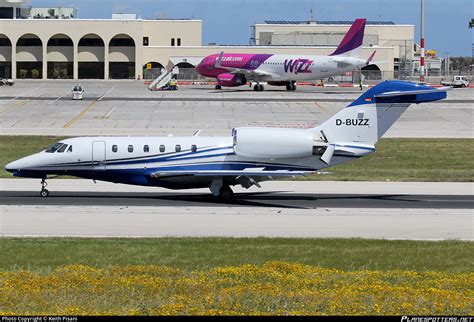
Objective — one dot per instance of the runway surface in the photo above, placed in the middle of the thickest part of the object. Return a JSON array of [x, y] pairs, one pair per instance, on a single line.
[[426, 211], [128, 108], [279, 199]]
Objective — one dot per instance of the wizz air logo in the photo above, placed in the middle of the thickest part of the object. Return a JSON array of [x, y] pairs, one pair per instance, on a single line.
[[297, 66]]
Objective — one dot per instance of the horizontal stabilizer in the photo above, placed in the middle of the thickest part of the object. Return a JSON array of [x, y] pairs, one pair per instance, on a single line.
[[423, 91], [395, 91]]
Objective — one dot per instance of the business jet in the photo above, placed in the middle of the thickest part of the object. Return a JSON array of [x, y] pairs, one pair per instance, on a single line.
[[247, 157], [284, 70]]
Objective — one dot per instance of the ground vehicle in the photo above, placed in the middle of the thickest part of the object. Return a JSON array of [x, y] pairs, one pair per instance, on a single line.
[[77, 92], [6, 81], [458, 81]]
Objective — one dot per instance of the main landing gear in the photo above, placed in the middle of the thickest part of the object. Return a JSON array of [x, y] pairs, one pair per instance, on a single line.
[[291, 87], [221, 190], [258, 87], [226, 193], [218, 87], [44, 192]]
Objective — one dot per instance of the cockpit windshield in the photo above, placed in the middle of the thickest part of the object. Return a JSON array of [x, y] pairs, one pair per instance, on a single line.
[[53, 148]]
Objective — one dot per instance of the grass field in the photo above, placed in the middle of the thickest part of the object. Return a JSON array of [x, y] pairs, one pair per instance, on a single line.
[[226, 276], [395, 159]]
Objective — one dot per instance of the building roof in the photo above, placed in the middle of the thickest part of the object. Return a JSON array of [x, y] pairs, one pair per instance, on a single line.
[[325, 22]]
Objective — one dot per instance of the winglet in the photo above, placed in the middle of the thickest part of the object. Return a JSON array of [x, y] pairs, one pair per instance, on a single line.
[[219, 59]]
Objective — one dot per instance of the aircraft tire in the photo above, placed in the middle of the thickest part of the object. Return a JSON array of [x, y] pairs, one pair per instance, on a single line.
[[218, 87], [226, 193], [44, 193], [261, 88], [256, 88], [289, 87]]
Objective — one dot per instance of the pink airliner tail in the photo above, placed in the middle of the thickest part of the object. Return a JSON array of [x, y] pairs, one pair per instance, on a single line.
[[352, 40]]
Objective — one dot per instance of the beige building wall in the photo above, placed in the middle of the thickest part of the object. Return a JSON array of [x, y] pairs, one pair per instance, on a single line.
[[159, 33], [388, 35]]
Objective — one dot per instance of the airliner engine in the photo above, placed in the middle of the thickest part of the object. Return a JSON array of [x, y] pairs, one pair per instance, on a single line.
[[228, 79], [272, 143]]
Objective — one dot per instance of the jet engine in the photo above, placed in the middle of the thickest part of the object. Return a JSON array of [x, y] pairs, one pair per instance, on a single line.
[[272, 143], [228, 79]]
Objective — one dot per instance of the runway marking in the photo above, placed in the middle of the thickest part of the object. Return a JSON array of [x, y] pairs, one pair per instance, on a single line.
[[110, 89], [107, 115], [74, 120], [14, 105], [325, 111]]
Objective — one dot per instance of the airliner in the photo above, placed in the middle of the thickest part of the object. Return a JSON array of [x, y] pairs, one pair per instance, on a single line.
[[233, 69], [246, 158]]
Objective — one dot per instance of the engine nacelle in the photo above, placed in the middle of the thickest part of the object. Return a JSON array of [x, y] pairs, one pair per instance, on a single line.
[[272, 143], [228, 79]]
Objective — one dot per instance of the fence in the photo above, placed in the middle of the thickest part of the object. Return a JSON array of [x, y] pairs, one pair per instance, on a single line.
[[368, 76]]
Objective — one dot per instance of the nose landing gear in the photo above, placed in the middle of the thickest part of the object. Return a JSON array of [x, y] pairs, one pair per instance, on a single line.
[[44, 192]]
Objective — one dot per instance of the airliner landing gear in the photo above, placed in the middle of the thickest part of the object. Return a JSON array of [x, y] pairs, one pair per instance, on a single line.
[[44, 192], [218, 87], [258, 88], [291, 87]]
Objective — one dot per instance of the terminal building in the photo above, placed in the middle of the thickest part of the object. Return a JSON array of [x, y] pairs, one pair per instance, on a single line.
[[53, 43]]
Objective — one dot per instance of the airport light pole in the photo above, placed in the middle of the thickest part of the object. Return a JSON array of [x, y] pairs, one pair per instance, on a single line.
[[422, 31]]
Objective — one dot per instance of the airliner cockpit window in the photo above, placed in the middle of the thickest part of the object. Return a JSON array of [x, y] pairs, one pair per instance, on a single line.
[[62, 148], [69, 149], [53, 148]]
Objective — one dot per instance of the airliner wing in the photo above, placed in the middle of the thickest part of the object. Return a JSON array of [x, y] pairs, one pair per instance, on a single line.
[[229, 173], [249, 73]]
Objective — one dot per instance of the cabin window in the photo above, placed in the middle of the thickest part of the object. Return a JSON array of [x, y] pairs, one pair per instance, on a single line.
[[178, 148], [146, 148], [179, 41], [69, 149], [130, 148], [54, 147], [62, 148], [114, 148], [162, 148], [193, 148]]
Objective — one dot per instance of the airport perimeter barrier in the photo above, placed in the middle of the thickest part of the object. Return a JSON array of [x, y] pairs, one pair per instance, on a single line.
[[349, 79]]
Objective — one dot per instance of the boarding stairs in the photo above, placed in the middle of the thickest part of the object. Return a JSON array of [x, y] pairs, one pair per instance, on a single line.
[[160, 81]]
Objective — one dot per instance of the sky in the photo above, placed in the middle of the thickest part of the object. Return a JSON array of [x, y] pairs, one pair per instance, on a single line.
[[228, 22]]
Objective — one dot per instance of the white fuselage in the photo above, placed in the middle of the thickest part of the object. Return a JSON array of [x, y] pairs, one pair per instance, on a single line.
[[306, 68], [133, 160]]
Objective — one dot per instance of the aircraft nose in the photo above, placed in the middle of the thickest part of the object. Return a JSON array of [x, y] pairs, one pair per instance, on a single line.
[[12, 166]]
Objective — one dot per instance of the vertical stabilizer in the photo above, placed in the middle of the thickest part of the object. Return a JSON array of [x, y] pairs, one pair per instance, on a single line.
[[352, 41], [370, 116]]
